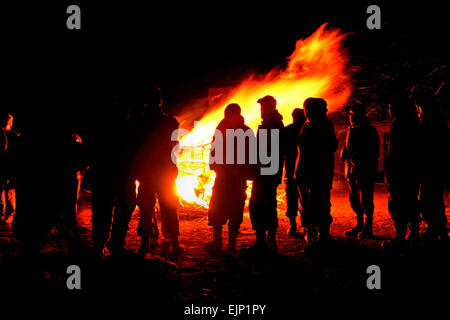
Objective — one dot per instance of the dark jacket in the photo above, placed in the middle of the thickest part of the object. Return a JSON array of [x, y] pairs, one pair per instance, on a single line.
[[154, 147], [9, 157], [3, 141], [435, 149], [242, 171], [317, 144], [361, 151], [273, 121], [401, 165], [291, 133]]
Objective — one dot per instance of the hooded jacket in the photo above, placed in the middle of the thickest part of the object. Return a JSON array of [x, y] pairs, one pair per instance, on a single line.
[[235, 169]]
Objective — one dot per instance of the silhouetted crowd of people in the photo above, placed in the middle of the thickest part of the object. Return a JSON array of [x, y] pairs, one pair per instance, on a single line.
[[138, 141], [415, 173]]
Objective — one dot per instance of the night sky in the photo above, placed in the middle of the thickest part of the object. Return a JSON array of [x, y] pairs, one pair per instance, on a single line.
[[186, 48]]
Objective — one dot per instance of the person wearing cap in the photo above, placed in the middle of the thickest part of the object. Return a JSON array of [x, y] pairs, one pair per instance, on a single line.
[[434, 172], [263, 200], [360, 154], [317, 144], [291, 133], [229, 191]]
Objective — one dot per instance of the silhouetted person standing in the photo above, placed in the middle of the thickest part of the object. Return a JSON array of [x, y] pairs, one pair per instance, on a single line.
[[317, 144], [291, 133], [401, 168], [156, 171], [435, 139], [263, 201], [3, 149], [360, 154], [42, 169], [8, 171], [77, 159], [229, 191], [113, 183]]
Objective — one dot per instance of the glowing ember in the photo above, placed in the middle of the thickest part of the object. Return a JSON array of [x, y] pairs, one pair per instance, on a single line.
[[317, 68]]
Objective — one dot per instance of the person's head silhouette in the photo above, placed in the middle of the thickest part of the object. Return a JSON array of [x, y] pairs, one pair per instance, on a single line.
[[268, 106], [315, 108], [298, 115], [357, 114], [232, 110]]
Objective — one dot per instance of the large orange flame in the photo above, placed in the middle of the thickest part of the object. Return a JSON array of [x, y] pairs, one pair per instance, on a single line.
[[317, 68]]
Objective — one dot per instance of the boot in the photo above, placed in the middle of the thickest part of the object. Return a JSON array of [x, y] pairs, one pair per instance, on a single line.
[[367, 231], [358, 228], [216, 244], [399, 240], [260, 246]]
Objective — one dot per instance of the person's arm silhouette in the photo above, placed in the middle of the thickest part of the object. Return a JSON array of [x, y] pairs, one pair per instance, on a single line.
[[3, 140]]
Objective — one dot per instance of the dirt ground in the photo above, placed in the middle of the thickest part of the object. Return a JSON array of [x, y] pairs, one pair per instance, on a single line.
[[284, 281]]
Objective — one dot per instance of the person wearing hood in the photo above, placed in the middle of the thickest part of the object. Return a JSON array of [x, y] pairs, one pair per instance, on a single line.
[[317, 144], [229, 191], [267, 176]]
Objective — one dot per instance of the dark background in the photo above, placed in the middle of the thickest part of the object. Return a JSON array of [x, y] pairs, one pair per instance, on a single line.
[[55, 80], [185, 48]]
